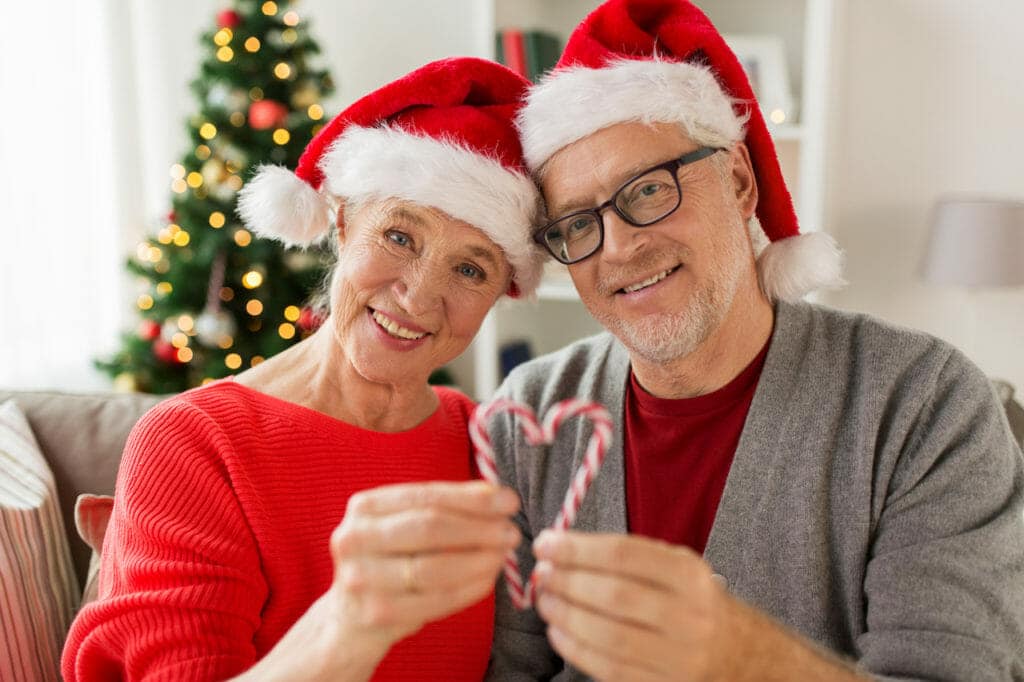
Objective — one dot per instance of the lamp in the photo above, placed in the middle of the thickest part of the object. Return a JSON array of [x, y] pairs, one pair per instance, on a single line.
[[976, 242], [979, 243]]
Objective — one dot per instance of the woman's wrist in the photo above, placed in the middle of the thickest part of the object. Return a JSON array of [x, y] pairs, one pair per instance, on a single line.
[[320, 647]]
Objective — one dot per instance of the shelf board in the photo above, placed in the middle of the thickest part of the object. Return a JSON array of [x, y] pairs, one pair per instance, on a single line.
[[557, 289], [786, 132]]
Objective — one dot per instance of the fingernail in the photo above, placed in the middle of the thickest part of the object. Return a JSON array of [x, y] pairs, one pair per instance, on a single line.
[[542, 571], [543, 546]]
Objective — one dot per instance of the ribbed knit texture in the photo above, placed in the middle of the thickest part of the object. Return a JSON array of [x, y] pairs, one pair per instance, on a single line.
[[226, 499]]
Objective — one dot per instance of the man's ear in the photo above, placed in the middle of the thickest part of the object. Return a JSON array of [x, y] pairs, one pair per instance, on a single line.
[[744, 180]]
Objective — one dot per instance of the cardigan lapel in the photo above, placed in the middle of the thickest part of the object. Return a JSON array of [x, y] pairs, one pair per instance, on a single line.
[[726, 545], [604, 507]]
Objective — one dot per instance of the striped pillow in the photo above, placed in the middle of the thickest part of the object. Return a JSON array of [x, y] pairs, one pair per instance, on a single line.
[[37, 581]]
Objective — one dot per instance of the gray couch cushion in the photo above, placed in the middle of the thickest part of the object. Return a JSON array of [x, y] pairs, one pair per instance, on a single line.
[[81, 437]]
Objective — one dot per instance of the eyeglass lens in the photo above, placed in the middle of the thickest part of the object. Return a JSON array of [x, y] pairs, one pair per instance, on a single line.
[[645, 200]]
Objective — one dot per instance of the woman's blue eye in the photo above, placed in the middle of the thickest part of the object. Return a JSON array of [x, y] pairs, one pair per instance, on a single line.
[[399, 238], [649, 189], [467, 270]]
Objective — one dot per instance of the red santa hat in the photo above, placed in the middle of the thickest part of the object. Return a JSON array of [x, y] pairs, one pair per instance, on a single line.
[[662, 61], [442, 136]]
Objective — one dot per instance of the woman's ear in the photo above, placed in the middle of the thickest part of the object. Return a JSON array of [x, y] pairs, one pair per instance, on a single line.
[[339, 221], [744, 180]]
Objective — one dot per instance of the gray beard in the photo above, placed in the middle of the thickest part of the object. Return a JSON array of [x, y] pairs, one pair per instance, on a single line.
[[664, 337]]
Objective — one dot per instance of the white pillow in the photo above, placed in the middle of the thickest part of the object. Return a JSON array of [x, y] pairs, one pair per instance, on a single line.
[[37, 579]]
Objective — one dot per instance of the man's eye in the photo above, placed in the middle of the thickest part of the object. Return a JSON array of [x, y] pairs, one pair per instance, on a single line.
[[650, 189], [554, 235], [579, 224], [399, 238]]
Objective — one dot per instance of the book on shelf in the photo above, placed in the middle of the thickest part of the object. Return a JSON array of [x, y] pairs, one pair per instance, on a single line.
[[529, 53], [514, 353]]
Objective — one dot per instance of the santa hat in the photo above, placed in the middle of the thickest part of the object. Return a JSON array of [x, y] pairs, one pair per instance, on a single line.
[[442, 136], [662, 61]]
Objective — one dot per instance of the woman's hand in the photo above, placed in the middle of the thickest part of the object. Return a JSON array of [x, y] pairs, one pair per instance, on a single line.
[[404, 555], [409, 554]]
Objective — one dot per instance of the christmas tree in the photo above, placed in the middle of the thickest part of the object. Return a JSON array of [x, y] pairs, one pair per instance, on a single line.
[[217, 299]]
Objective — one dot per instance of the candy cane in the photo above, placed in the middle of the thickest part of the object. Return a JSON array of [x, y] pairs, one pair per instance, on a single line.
[[520, 592]]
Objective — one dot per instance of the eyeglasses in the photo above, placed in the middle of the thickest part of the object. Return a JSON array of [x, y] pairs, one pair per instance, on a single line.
[[645, 199]]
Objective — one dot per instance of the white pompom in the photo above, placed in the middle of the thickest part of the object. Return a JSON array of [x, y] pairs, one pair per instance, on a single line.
[[791, 268], [277, 204]]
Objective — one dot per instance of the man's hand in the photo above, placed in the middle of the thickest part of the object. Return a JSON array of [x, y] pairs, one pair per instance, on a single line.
[[626, 608]]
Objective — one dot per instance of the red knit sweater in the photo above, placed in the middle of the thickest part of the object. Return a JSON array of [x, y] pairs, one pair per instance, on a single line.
[[226, 499]]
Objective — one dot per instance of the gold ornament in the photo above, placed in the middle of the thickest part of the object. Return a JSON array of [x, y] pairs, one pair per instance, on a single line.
[[305, 96], [125, 383], [213, 171]]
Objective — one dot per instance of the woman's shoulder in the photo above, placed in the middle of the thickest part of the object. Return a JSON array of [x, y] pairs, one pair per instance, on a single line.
[[222, 397], [456, 404], [453, 398], [209, 417]]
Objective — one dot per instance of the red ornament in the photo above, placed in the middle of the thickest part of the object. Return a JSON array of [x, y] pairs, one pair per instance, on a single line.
[[228, 18], [309, 320], [165, 352], [172, 216], [149, 330], [267, 114]]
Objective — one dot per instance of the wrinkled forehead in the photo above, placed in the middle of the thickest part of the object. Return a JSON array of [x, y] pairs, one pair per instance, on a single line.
[[432, 222], [585, 172]]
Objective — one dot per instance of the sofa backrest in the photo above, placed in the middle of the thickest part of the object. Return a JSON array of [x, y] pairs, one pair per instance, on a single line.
[[81, 436]]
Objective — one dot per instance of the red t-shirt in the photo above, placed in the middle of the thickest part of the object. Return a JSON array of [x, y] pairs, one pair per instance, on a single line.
[[678, 454]]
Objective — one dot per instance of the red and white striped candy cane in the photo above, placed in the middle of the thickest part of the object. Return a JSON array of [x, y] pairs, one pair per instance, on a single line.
[[520, 592], [592, 458]]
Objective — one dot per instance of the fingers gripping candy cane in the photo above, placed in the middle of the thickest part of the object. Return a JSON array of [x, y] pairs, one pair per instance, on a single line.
[[520, 591]]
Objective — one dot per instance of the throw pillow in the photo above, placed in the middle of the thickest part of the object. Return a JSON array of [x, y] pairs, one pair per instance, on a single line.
[[37, 579], [92, 514]]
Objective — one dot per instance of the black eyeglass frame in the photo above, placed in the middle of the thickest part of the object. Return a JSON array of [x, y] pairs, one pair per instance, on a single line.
[[597, 212]]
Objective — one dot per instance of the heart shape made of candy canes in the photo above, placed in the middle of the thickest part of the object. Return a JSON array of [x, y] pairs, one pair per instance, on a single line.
[[520, 590]]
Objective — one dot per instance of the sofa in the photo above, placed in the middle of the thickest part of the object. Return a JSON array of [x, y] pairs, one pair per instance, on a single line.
[[81, 436]]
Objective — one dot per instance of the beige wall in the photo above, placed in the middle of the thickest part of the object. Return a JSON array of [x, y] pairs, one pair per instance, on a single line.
[[930, 100]]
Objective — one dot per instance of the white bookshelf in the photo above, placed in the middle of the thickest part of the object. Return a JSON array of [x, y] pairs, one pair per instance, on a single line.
[[806, 28]]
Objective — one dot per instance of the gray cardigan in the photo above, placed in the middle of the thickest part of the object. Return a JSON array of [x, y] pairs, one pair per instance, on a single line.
[[874, 503]]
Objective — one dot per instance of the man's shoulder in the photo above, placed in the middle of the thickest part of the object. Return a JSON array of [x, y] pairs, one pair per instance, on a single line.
[[849, 323], [867, 345], [560, 374]]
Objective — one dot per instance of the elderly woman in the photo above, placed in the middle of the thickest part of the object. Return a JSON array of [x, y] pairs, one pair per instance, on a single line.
[[225, 555]]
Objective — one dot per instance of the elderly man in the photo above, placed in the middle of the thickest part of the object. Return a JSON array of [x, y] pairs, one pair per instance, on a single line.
[[808, 494]]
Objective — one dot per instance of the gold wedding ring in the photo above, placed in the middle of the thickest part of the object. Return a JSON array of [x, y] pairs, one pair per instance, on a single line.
[[407, 574]]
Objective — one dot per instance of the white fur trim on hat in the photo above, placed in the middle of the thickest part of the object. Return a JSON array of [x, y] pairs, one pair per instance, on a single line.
[[574, 102], [790, 268], [381, 163], [276, 204]]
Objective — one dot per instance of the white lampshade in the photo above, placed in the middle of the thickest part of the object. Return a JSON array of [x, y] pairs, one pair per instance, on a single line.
[[976, 242]]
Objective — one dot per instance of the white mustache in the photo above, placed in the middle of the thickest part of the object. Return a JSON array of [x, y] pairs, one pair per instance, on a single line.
[[640, 268]]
